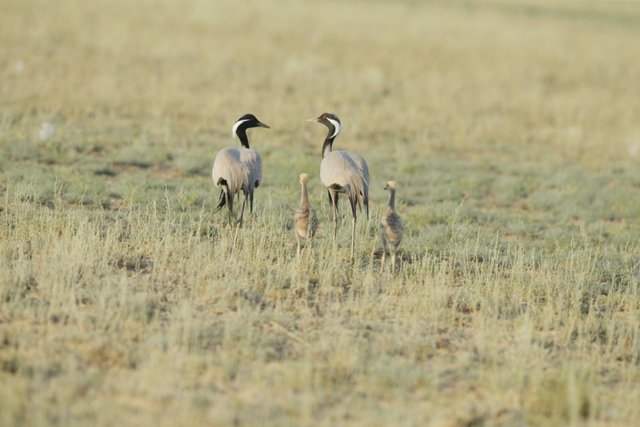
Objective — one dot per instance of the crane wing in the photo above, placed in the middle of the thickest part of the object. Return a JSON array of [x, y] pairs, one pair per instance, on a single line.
[[251, 159], [349, 171], [228, 167]]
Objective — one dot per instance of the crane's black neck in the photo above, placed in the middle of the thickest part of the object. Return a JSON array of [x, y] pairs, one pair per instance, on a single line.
[[328, 145], [242, 135]]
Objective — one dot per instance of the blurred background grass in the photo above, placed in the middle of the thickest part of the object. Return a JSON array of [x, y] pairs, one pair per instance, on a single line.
[[511, 128], [514, 93]]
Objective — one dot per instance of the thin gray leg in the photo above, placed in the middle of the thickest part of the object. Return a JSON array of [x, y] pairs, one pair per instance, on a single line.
[[353, 236], [384, 253], [244, 202], [395, 252], [335, 214]]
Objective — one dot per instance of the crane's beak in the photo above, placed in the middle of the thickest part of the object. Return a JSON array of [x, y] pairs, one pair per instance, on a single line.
[[262, 125], [312, 120]]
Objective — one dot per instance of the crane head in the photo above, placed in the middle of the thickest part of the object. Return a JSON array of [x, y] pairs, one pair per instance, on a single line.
[[391, 186], [247, 121], [331, 121]]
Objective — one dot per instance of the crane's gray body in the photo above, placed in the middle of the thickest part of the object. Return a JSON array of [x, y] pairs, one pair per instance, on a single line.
[[240, 169], [345, 172]]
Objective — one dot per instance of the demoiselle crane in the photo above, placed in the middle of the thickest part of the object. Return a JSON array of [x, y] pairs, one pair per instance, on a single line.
[[342, 172], [238, 169]]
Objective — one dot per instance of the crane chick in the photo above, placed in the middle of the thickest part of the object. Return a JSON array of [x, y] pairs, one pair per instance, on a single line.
[[391, 229], [305, 221], [238, 169], [342, 172]]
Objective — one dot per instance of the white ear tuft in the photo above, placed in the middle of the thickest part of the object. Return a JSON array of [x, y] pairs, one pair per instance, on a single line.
[[235, 127], [335, 124]]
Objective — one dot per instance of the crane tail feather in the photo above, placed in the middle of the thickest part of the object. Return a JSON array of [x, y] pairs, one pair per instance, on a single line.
[[354, 205], [223, 202]]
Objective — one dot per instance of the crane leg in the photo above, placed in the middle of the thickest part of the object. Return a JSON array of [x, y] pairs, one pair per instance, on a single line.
[[384, 254], [353, 227], [353, 237], [395, 251], [299, 249], [244, 202], [334, 201], [229, 204]]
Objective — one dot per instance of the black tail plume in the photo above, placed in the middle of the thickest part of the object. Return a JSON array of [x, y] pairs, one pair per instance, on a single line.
[[222, 203]]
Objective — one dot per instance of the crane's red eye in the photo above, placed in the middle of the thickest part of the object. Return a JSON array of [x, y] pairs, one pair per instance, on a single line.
[[324, 116]]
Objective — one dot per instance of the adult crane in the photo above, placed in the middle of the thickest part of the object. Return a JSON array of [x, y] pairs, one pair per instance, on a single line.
[[238, 169], [342, 172]]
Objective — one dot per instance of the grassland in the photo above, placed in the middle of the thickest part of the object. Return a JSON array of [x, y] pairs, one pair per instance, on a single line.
[[512, 129]]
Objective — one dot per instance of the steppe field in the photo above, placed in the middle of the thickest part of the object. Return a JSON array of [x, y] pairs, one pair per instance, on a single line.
[[511, 127]]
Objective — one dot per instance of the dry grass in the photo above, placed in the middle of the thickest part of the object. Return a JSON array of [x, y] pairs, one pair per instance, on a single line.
[[510, 127]]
